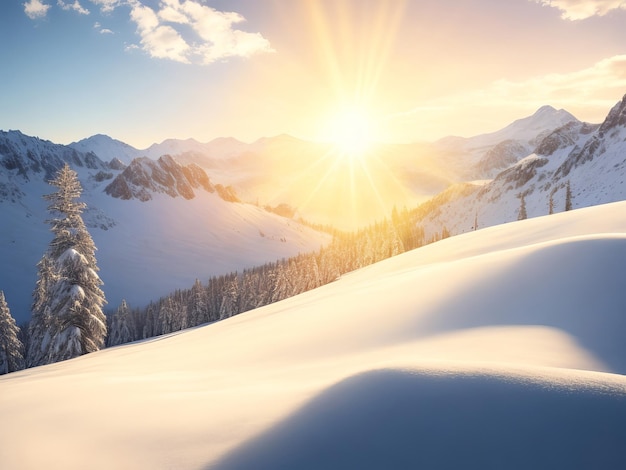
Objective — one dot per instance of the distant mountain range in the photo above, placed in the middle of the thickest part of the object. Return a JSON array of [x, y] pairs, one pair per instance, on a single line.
[[182, 209]]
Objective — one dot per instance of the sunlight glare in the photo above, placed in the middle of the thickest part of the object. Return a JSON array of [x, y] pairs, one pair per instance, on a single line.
[[352, 132]]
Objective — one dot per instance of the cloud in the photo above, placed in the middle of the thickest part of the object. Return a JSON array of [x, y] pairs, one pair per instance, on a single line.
[[590, 92], [76, 6], [35, 9], [107, 6], [213, 35], [583, 9], [160, 41]]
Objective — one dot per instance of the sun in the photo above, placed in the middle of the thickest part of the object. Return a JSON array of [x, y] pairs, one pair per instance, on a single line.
[[352, 132]]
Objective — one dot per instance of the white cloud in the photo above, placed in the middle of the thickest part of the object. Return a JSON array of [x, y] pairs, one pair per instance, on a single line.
[[582, 9], [172, 15], [76, 6], [160, 41], [107, 6], [214, 38], [35, 9]]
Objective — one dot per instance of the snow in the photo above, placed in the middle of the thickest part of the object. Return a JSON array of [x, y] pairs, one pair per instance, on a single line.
[[149, 249], [500, 348]]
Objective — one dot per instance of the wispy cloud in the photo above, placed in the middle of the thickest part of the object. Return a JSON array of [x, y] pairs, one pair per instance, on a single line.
[[76, 6], [215, 37], [35, 9], [100, 29], [592, 91], [107, 6], [583, 9]]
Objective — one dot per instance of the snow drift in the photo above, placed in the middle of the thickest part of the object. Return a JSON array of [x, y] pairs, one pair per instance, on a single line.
[[501, 348]]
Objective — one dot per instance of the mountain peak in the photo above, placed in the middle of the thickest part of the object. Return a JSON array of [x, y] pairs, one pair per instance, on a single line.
[[616, 117], [545, 109]]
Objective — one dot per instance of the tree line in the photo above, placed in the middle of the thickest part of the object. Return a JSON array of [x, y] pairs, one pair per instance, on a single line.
[[227, 295], [67, 311]]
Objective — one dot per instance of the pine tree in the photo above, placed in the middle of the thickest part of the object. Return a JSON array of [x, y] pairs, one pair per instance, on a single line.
[[522, 208], [197, 306], [121, 326], [551, 204], [67, 316], [568, 196], [11, 356]]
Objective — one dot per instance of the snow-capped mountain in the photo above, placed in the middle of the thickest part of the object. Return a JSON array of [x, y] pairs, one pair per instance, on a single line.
[[577, 165], [485, 155], [145, 177], [108, 148], [312, 177], [158, 225]]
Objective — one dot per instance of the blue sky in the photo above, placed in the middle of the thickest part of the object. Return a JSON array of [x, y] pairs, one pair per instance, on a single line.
[[145, 70]]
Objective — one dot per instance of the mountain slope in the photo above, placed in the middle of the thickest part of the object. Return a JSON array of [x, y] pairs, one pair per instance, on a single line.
[[499, 348], [485, 155], [586, 161], [158, 225], [107, 148]]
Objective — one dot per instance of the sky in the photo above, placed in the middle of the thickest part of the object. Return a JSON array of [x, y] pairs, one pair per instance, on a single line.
[[143, 71]]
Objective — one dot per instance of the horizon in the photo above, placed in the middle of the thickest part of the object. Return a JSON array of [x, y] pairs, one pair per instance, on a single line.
[[143, 69], [162, 140]]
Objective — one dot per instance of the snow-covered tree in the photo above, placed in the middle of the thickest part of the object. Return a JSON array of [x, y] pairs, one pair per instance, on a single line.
[[67, 318], [522, 208], [197, 306], [11, 356], [568, 196], [121, 326]]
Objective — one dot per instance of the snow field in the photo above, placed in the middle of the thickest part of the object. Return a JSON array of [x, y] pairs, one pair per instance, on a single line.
[[501, 348]]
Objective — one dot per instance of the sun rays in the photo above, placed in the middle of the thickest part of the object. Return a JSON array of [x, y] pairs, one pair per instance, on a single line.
[[352, 45]]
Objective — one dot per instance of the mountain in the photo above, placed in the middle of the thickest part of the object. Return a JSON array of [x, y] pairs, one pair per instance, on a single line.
[[501, 348], [325, 187], [145, 177], [158, 225], [485, 155], [578, 164], [108, 148]]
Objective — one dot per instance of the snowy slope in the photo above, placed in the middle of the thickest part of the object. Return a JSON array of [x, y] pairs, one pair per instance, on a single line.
[[108, 148], [484, 155], [184, 230], [591, 160], [501, 348]]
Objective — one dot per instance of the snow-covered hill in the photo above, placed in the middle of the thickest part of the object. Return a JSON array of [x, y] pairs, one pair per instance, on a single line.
[[158, 225], [586, 161], [500, 348]]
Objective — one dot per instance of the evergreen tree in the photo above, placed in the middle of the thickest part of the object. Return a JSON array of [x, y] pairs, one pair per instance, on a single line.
[[67, 316], [121, 326], [197, 306], [551, 204], [11, 356], [568, 197], [522, 208], [167, 313]]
